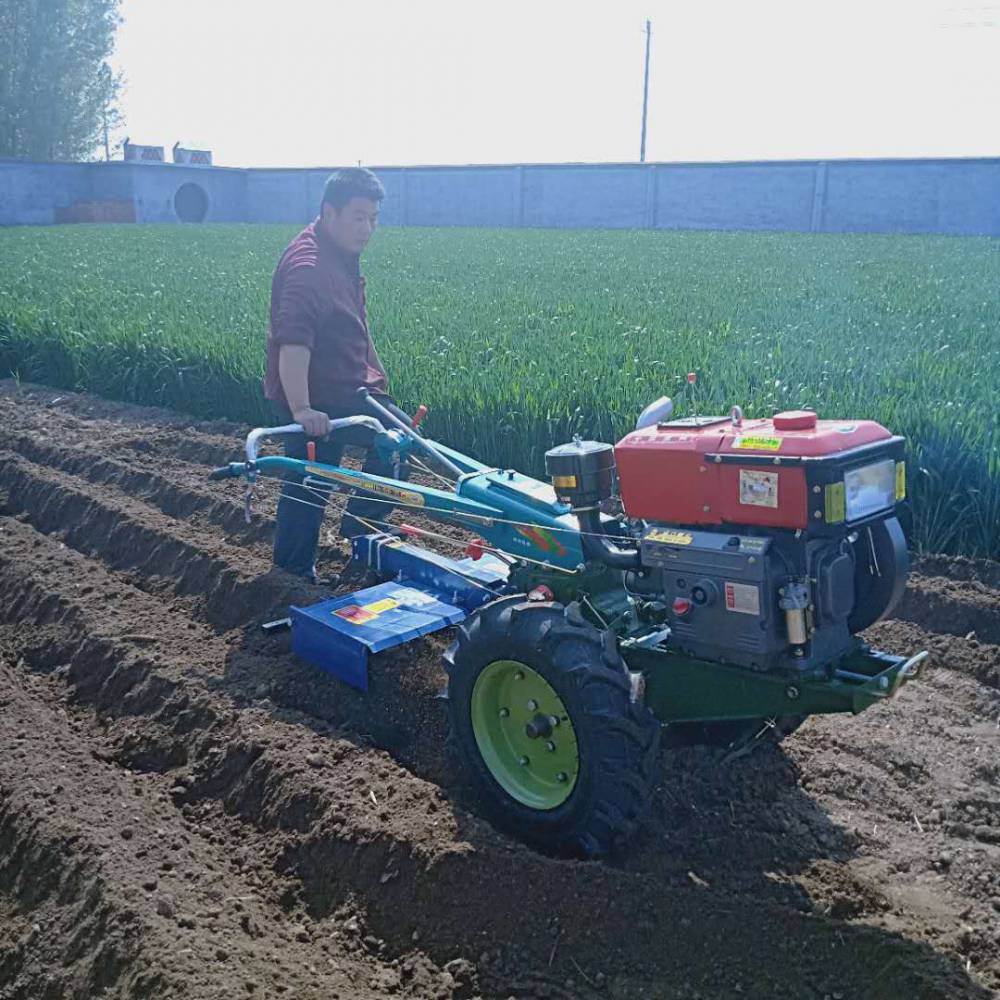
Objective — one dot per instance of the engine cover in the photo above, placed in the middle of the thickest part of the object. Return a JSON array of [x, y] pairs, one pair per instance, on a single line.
[[784, 472]]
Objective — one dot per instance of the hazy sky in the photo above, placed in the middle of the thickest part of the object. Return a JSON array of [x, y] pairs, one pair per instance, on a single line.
[[298, 82]]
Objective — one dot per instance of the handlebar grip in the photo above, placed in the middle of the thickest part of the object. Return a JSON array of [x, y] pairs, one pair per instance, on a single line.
[[226, 472]]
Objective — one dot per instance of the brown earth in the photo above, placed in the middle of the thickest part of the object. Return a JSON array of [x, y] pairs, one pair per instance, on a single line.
[[188, 811]]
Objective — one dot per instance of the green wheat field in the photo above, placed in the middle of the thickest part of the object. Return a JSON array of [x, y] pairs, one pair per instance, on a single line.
[[516, 340]]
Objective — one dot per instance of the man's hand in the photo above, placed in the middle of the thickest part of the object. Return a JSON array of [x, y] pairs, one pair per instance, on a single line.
[[315, 423]]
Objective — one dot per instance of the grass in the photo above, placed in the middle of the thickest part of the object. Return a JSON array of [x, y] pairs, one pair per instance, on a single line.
[[518, 339]]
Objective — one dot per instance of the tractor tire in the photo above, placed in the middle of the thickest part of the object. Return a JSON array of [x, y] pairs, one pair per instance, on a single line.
[[545, 718]]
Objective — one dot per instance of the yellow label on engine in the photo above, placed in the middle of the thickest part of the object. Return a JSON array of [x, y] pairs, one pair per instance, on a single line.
[[564, 482], [670, 537], [836, 503], [758, 443], [901, 480]]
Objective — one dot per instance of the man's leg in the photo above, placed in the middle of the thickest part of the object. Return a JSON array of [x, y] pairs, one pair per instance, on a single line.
[[374, 511], [300, 509]]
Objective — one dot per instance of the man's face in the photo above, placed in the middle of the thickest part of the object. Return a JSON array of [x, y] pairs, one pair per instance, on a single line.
[[351, 227]]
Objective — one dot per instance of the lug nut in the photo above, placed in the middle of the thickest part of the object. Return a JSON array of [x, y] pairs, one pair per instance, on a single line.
[[562, 776], [550, 746], [553, 721], [519, 675], [504, 712], [532, 705], [524, 762]]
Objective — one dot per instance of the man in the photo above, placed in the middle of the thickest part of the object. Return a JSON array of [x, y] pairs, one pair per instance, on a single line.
[[319, 353]]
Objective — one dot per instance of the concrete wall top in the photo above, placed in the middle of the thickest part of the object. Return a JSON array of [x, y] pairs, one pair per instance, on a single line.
[[954, 195]]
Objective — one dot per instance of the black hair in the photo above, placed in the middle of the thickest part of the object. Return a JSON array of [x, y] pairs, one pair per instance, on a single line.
[[351, 182]]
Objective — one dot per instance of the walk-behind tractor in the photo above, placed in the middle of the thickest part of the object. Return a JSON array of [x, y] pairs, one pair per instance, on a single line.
[[717, 599]]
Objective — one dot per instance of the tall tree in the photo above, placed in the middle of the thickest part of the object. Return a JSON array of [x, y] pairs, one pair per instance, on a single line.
[[56, 86]]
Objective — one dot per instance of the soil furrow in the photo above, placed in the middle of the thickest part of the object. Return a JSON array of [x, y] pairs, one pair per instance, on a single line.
[[938, 604], [302, 839], [336, 847], [123, 532]]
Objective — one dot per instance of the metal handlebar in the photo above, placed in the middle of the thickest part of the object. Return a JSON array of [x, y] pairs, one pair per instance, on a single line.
[[419, 440], [258, 434]]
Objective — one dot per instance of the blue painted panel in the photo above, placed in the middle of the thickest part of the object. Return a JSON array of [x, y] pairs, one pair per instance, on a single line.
[[881, 197], [462, 196], [30, 193], [913, 196], [734, 196], [891, 196], [279, 196], [612, 197], [156, 188]]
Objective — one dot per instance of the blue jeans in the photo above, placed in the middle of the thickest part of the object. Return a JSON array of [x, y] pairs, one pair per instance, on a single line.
[[301, 509]]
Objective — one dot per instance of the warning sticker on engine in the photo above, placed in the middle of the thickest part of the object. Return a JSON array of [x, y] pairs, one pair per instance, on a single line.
[[759, 489], [669, 537], [758, 443], [743, 598]]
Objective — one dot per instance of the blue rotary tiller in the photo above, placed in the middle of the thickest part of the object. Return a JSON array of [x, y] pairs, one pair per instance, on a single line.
[[714, 596]]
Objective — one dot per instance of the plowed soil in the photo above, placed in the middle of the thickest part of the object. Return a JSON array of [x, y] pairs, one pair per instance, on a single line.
[[186, 810]]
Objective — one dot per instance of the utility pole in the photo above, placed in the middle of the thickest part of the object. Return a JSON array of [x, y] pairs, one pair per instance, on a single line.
[[645, 98]]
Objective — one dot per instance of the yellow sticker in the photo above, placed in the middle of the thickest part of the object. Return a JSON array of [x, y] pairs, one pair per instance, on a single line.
[[835, 503], [901, 480], [670, 537], [758, 443], [381, 489], [564, 482], [386, 604]]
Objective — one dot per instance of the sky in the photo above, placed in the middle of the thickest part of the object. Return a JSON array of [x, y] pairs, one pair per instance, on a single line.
[[387, 82]]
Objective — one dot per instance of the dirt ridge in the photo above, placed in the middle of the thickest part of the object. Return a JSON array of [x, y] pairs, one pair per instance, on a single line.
[[860, 860]]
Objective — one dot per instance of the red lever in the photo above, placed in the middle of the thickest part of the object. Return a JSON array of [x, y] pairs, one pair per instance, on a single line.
[[311, 450], [541, 593], [418, 416], [474, 550]]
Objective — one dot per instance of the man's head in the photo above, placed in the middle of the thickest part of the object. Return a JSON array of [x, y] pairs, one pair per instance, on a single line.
[[349, 211]]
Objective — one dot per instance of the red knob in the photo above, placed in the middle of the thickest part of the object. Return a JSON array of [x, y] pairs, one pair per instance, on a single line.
[[795, 420], [419, 415], [311, 450], [541, 593]]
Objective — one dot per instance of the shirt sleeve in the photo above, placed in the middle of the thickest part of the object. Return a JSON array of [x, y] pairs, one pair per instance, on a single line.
[[299, 310]]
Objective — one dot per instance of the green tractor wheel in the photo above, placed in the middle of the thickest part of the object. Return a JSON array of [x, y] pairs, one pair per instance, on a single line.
[[544, 715]]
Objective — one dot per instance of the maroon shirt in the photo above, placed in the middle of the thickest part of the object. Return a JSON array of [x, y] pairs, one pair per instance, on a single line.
[[318, 301]]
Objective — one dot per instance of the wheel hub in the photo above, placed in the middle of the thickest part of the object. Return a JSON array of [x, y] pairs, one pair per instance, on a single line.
[[538, 727], [524, 734]]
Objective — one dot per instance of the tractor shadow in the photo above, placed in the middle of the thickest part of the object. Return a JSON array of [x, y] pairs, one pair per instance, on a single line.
[[723, 845]]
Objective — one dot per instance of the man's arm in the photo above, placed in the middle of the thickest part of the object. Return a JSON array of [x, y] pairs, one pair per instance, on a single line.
[[293, 370], [295, 332]]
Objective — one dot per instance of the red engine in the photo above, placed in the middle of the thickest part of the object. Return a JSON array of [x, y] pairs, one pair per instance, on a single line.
[[785, 472]]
